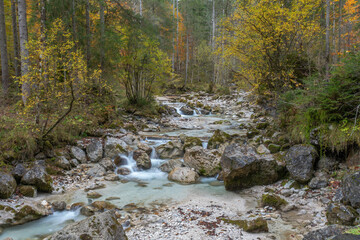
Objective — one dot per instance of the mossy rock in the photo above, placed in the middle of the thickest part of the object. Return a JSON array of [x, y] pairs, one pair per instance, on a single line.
[[192, 142], [252, 133], [218, 139], [130, 127], [27, 212], [274, 148], [272, 200], [262, 125], [222, 122], [28, 191], [257, 225], [103, 205]]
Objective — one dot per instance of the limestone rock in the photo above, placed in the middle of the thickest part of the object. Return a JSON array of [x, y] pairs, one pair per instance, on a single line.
[[205, 162], [183, 175], [78, 154], [18, 172], [59, 205], [96, 171], [192, 142], [337, 213], [95, 150], [146, 148], [170, 150], [142, 159], [218, 138], [107, 164], [38, 177], [168, 166], [324, 233], [114, 146], [186, 110], [28, 191], [63, 163], [350, 186], [7, 185]]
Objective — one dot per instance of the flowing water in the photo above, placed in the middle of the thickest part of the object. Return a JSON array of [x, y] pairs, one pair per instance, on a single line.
[[142, 188]]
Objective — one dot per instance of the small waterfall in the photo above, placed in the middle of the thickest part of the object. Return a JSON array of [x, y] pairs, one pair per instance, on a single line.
[[204, 144]]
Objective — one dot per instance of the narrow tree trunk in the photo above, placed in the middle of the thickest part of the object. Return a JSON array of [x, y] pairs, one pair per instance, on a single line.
[[177, 34], [334, 34], [173, 54], [213, 38], [327, 40], [3, 51], [16, 39], [73, 6], [88, 33], [25, 88], [102, 34], [187, 59], [140, 8], [340, 22]]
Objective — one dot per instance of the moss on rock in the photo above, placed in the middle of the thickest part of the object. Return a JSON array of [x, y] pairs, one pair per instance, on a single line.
[[272, 200], [257, 225]]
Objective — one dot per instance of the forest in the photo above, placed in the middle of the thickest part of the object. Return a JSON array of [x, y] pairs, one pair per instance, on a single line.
[[103, 84]]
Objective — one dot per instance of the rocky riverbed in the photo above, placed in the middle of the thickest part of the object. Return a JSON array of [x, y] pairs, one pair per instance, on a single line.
[[210, 168]]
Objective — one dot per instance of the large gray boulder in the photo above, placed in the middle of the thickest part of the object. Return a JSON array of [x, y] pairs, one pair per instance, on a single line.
[[350, 186], [242, 168], [300, 161], [101, 226], [38, 177], [337, 213], [96, 171], [78, 154], [7, 185], [186, 110], [324, 233], [142, 159], [107, 164], [95, 150], [168, 166], [18, 172], [63, 163], [114, 147], [205, 162], [183, 175], [170, 150]]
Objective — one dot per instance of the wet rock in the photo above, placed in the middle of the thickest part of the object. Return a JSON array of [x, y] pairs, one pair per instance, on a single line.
[[120, 161], [171, 164], [327, 163], [7, 185], [319, 181], [28, 191], [38, 177], [92, 194], [272, 200], [95, 186], [63, 163], [96, 171], [95, 150], [28, 213], [274, 148], [87, 211], [142, 159], [300, 161], [18, 172], [217, 139], [170, 150], [337, 213], [262, 149], [130, 139], [327, 232], [183, 175], [59, 205], [192, 142], [205, 162], [144, 147], [257, 225], [350, 186], [102, 206], [76, 206], [78, 154], [186, 110], [107, 164], [101, 226], [123, 171], [112, 177], [114, 146], [242, 168]]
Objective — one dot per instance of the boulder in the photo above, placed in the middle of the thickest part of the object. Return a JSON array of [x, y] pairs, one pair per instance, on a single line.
[[101, 226], [170, 150], [93, 194], [107, 164], [242, 168], [114, 147], [112, 177], [186, 110], [257, 225], [324, 233], [346, 236], [350, 186], [38, 177], [59, 205], [217, 139], [337, 213], [87, 211], [144, 147], [327, 163], [319, 181], [300, 161], [130, 139], [168, 166], [95, 150], [63, 163], [120, 161], [123, 171], [205, 162], [96, 171], [78, 154], [101, 206], [29, 213], [272, 200], [7, 185], [183, 175], [142, 159], [74, 162], [191, 142], [18, 172], [28, 191]]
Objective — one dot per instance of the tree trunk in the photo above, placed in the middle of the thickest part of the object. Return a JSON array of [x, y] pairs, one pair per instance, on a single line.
[[340, 22], [16, 39], [334, 34], [88, 33], [177, 34], [3, 51], [327, 40], [213, 25], [102, 35], [73, 6], [187, 59], [140, 8], [25, 88]]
